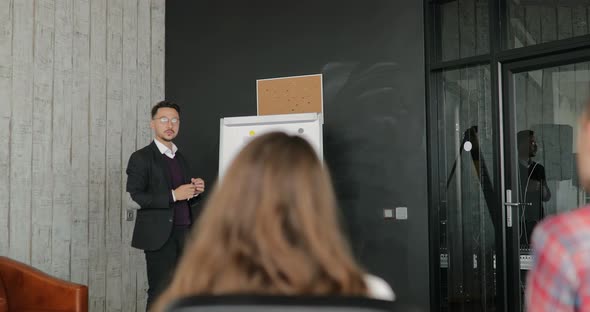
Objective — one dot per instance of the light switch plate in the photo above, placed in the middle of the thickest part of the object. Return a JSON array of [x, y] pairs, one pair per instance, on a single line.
[[401, 213], [388, 213]]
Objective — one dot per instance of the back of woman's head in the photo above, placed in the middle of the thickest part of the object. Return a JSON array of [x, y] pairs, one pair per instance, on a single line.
[[270, 227]]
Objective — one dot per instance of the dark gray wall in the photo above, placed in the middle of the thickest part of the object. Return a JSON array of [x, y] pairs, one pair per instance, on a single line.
[[371, 54]]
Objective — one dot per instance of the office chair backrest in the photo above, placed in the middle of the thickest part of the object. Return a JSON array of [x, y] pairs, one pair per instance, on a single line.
[[258, 303]]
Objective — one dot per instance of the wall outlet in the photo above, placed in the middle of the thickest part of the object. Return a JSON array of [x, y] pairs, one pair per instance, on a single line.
[[130, 215]]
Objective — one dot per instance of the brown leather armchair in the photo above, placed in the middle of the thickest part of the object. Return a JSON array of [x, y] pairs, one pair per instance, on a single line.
[[26, 289]]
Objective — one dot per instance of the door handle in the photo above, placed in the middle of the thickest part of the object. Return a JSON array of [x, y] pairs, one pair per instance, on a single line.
[[509, 204], [517, 204]]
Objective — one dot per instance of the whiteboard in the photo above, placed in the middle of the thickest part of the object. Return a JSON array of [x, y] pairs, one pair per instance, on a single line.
[[236, 132]]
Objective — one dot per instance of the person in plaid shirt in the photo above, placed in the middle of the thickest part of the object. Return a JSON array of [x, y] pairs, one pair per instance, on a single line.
[[560, 278]]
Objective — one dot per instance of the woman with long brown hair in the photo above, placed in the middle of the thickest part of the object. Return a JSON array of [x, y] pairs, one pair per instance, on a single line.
[[270, 227]]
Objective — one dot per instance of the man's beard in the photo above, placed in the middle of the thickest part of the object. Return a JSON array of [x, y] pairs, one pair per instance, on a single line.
[[166, 139]]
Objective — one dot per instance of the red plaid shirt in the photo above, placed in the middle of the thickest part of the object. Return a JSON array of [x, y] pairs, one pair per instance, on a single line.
[[560, 279]]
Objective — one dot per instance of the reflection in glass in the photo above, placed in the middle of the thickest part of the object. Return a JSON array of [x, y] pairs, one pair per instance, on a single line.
[[464, 29], [532, 185], [467, 198], [532, 22]]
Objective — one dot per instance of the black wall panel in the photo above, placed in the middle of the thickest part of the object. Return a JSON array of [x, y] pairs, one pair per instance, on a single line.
[[371, 54]]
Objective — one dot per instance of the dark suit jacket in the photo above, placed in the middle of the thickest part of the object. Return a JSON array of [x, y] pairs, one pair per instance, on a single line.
[[149, 184], [534, 172]]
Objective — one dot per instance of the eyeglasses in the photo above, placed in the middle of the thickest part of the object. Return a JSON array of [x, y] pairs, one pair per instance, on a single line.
[[165, 120]]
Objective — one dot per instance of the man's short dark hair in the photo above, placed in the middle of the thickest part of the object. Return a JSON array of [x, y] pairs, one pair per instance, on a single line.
[[164, 103], [524, 137]]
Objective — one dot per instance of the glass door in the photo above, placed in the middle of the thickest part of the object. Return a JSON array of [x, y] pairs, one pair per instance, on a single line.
[[468, 202], [543, 100]]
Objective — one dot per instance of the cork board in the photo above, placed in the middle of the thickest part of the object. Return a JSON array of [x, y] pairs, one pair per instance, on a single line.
[[290, 95]]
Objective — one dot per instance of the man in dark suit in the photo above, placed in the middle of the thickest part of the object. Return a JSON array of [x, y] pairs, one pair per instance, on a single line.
[[159, 181]]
